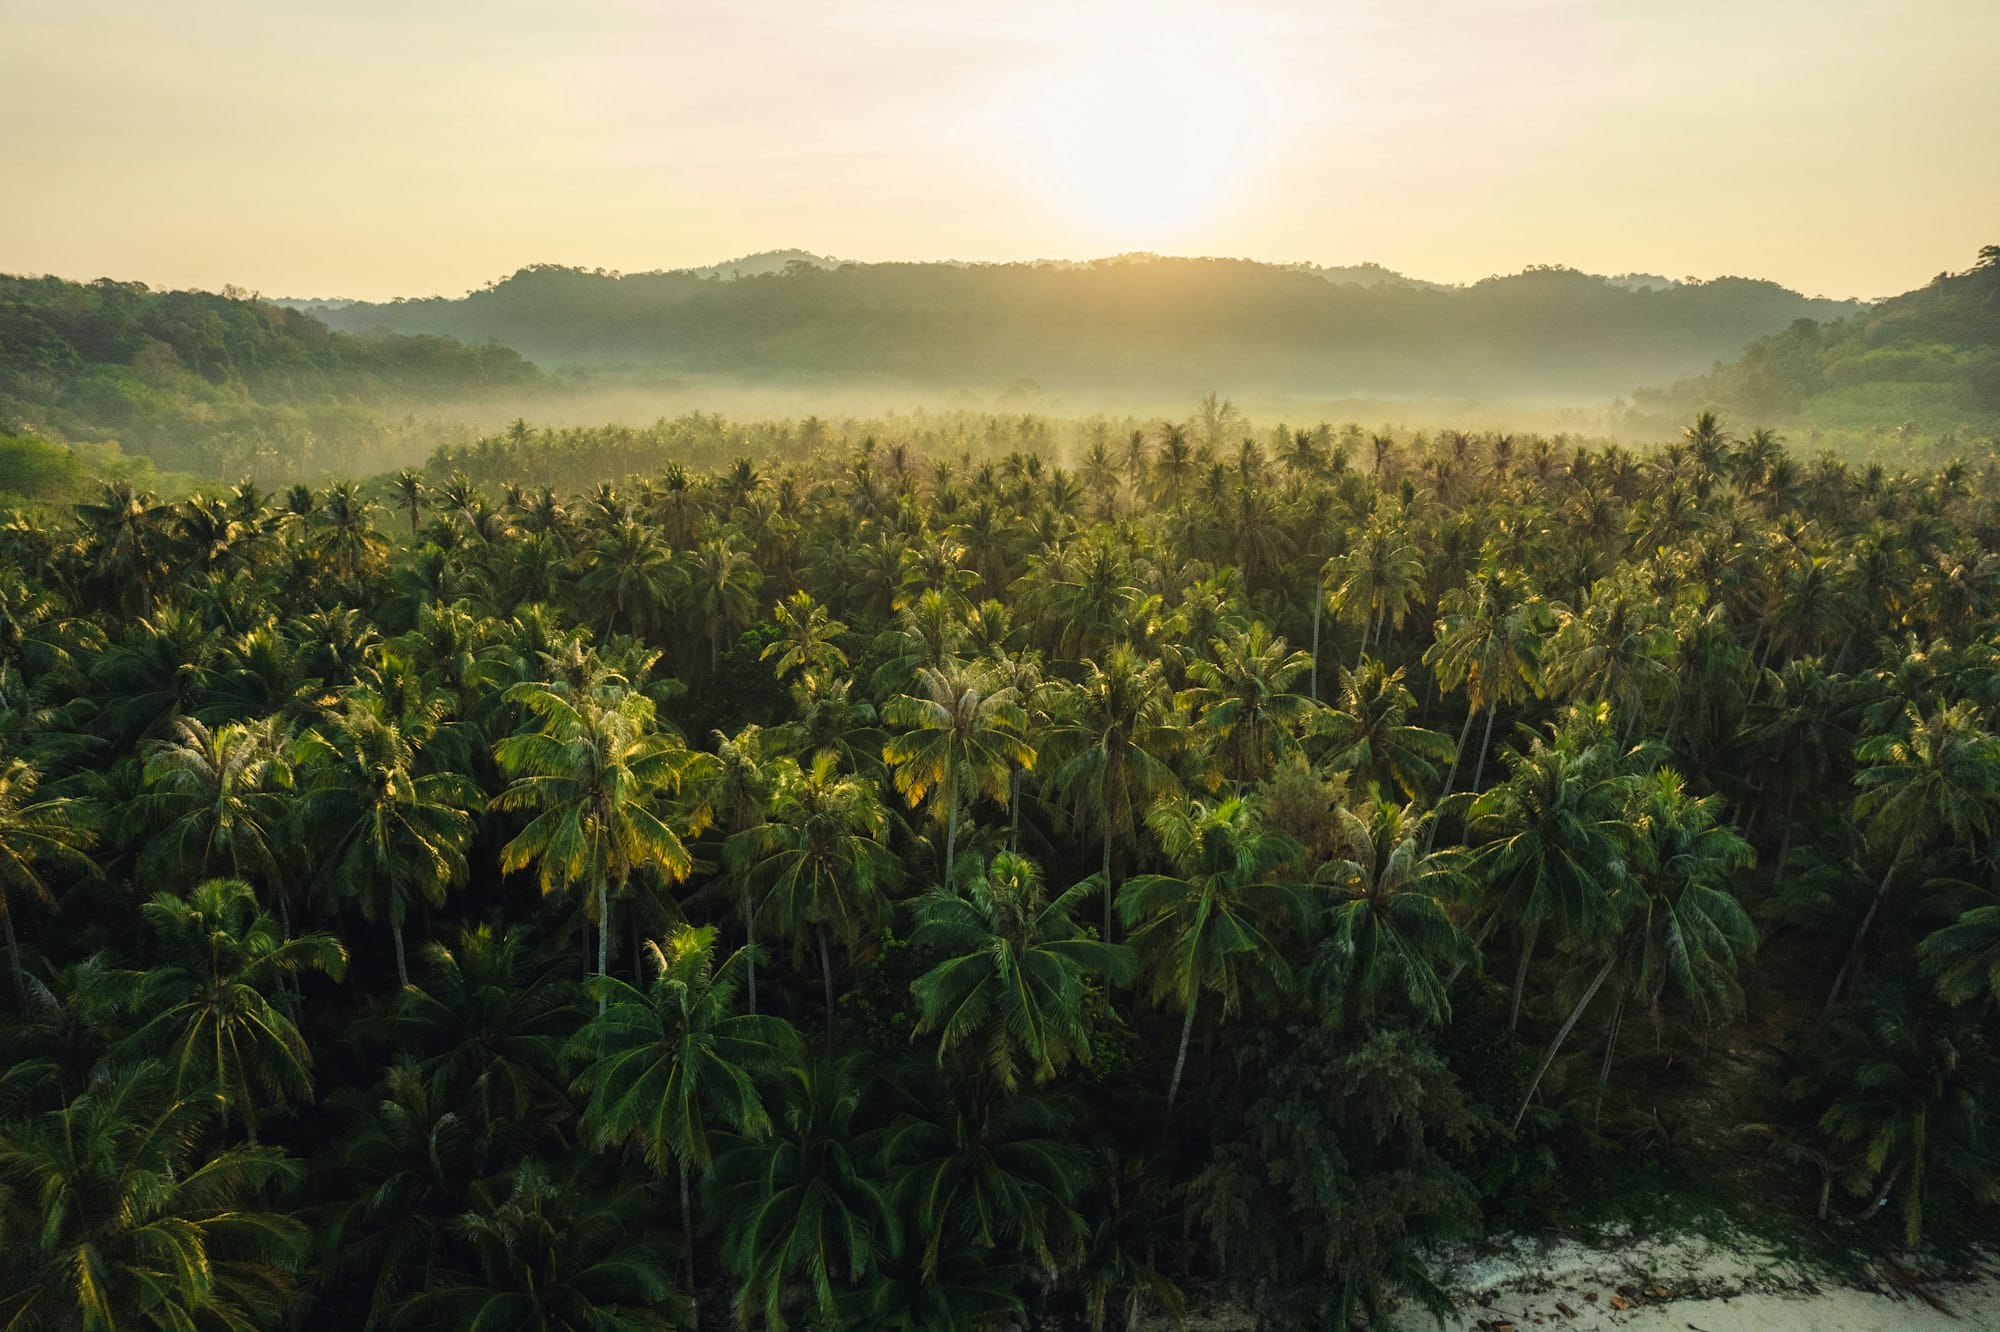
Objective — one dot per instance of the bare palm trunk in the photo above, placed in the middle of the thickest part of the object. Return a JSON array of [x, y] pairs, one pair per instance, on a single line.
[[826, 979], [750, 945], [603, 939], [1367, 631], [402, 966], [1785, 842], [1569, 1024], [1521, 975], [638, 945], [1107, 888], [1485, 739], [950, 833], [1457, 755], [1318, 597], [1180, 1060], [687, 1231], [14, 956], [1014, 809], [1854, 949], [1610, 1053]]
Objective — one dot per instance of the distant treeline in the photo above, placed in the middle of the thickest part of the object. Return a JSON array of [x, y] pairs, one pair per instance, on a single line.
[[1927, 362], [216, 384], [1117, 328]]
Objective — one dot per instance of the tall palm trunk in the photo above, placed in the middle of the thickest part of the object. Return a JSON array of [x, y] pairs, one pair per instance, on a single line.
[[14, 954], [1107, 881], [1014, 809], [826, 979], [1854, 949], [1485, 739], [603, 939], [1569, 1025], [687, 1232], [1180, 1060], [1521, 975], [402, 966], [750, 945], [1457, 754], [1318, 597]]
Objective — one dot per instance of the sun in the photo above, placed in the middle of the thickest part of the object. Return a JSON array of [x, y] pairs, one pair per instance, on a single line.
[[1141, 130]]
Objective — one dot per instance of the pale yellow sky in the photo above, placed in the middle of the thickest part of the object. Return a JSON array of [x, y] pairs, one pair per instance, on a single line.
[[371, 149]]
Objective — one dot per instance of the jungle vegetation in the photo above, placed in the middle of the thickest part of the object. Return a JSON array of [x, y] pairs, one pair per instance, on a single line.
[[981, 883]]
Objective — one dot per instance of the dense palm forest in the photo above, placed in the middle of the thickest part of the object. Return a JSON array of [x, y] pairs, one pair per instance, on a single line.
[[998, 881]]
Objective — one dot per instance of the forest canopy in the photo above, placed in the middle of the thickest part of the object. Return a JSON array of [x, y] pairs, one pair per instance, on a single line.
[[1007, 881]]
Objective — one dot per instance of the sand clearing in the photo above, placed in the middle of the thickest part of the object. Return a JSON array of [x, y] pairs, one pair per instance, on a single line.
[[1687, 1284]]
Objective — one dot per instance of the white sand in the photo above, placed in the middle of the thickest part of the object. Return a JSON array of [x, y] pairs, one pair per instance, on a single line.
[[1687, 1283], [1683, 1285]]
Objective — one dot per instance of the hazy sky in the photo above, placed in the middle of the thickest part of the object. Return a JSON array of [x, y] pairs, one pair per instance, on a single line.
[[376, 148]]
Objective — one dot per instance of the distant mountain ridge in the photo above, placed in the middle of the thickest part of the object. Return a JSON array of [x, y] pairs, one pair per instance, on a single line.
[[1135, 323]]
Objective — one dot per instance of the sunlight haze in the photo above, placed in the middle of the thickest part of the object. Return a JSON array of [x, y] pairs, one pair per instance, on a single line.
[[374, 149]]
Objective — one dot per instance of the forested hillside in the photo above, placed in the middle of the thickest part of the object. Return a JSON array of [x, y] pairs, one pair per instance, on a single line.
[[219, 384], [939, 888], [1139, 325], [1918, 366]]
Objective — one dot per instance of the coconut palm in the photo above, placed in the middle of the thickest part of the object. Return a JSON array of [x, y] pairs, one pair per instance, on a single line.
[[1368, 733], [543, 1253], [809, 1216], [391, 832], [721, 591], [1489, 640], [1209, 927], [1111, 747], [672, 1062], [960, 734], [1013, 982], [1940, 776], [114, 1220], [1385, 931], [35, 836], [1380, 577], [806, 638], [207, 1002], [219, 800], [591, 774], [1243, 698], [820, 863]]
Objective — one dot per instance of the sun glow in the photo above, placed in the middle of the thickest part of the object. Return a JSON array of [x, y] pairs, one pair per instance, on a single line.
[[1147, 122]]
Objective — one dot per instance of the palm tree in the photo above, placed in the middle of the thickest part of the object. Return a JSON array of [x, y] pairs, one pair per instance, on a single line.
[[1368, 732], [392, 833], [1963, 958], [590, 773], [631, 579], [670, 1062], [1386, 930], [1380, 577], [487, 1024], [1681, 927], [220, 800], [806, 638], [1206, 928], [1940, 776], [543, 1255], [1555, 848], [408, 487], [820, 861], [1111, 746], [207, 1000], [721, 592], [1244, 698], [1013, 979], [114, 1221], [998, 1173], [959, 732], [35, 834], [1489, 640], [806, 1212]]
